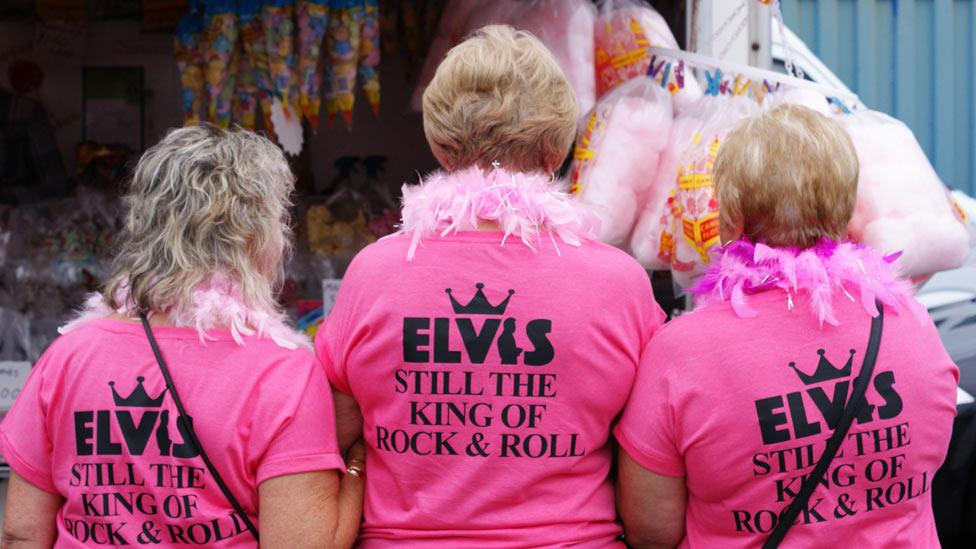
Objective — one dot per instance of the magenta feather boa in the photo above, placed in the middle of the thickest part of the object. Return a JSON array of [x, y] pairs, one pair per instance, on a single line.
[[821, 273], [215, 304], [528, 206]]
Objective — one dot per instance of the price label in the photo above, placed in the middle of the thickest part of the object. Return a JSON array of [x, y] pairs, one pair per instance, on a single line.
[[13, 374], [330, 289]]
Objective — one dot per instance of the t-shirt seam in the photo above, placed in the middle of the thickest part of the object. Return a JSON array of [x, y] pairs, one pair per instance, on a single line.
[[10, 451], [299, 463], [628, 442]]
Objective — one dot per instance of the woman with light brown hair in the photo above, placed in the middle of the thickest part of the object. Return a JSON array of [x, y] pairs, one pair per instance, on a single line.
[[484, 352], [808, 398], [179, 408]]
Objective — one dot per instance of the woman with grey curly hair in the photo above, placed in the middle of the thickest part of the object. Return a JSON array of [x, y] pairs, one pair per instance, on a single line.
[[179, 408]]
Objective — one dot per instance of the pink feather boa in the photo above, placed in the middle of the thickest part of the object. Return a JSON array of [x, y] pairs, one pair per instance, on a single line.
[[526, 205], [218, 303], [821, 273]]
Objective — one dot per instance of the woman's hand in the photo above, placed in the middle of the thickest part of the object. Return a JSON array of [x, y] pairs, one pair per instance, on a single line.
[[351, 490]]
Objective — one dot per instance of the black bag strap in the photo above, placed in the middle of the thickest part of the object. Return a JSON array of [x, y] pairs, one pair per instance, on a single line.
[[851, 411], [186, 422]]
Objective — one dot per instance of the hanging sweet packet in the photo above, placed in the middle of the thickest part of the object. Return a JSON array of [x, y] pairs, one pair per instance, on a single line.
[[256, 53], [450, 32], [277, 20], [902, 205], [652, 242], [245, 105], [617, 154], [226, 100], [625, 31], [220, 20], [566, 28], [342, 39], [369, 55], [190, 59], [312, 17], [694, 227]]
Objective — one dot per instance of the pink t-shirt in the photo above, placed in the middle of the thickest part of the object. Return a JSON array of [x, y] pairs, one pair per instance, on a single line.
[[488, 377], [93, 424], [743, 408]]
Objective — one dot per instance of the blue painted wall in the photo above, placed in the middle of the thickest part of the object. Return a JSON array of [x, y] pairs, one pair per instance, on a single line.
[[913, 59]]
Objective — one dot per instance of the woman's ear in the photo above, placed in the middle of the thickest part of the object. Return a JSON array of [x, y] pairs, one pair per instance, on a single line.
[[730, 232], [439, 155]]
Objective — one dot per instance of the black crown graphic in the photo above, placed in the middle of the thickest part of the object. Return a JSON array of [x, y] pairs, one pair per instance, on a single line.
[[825, 370], [479, 304], [139, 398]]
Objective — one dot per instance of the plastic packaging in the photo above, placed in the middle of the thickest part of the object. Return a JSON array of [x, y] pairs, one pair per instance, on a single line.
[[655, 219], [902, 205], [220, 22], [624, 31], [693, 227], [450, 32], [617, 154], [369, 55], [566, 28], [342, 38], [312, 17]]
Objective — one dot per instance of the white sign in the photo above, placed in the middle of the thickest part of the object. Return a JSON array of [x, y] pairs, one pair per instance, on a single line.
[[330, 289], [13, 374]]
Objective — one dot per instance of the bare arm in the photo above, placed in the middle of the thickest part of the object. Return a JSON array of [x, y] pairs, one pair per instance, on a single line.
[[349, 420], [30, 515], [309, 510], [651, 506]]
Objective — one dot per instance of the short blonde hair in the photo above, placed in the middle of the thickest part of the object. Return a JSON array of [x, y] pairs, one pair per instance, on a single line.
[[203, 202], [788, 177], [500, 96]]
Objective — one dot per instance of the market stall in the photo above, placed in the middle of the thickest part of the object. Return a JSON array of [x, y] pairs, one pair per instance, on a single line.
[[338, 84]]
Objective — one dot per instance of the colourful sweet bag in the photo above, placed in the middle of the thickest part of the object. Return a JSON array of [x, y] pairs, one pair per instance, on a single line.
[[693, 210], [220, 20], [902, 205], [625, 30], [312, 16], [190, 62], [450, 30], [227, 99], [617, 154], [256, 52], [342, 42], [369, 55], [278, 23], [245, 104], [652, 242], [566, 28]]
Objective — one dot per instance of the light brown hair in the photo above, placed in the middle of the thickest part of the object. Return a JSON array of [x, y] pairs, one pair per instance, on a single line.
[[787, 177], [500, 96]]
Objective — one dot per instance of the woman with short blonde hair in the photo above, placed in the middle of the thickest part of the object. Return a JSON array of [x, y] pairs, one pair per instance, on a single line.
[[484, 371], [179, 407], [799, 336], [477, 109]]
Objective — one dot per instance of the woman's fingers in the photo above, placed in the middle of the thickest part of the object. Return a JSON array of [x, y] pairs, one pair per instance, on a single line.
[[356, 459], [351, 489]]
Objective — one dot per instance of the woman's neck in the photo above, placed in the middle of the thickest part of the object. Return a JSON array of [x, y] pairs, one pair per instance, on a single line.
[[155, 319]]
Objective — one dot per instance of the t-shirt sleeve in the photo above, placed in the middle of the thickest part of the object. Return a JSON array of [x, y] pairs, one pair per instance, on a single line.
[[25, 442], [327, 340], [646, 430], [301, 436]]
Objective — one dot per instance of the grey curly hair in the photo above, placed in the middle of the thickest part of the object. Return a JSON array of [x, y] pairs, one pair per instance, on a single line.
[[203, 202]]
